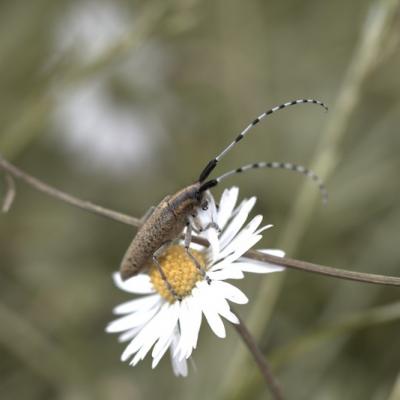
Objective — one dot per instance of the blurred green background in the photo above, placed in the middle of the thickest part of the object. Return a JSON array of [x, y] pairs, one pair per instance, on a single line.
[[122, 102]]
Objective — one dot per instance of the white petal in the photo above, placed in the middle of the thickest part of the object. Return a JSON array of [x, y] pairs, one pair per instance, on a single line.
[[196, 318], [137, 304], [212, 237], [139, 284], [189, 325], [132, 320], [161, 351], [166, 335], [179, 366], [273, 252], [212, 206], [155, 334], [226, 206], [220, 304], [130, 334], [211, 314], [254, 266], [263, 228], [230, 316], [241, 248], [226, 273], [237, 222], [148, 335], [195, 246], [257, 267], [214, 320], [243, 235], [184, 328], [230, 292]]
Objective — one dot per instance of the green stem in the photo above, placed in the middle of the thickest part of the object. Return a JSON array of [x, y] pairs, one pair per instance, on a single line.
[[259, 358], [284, 355]]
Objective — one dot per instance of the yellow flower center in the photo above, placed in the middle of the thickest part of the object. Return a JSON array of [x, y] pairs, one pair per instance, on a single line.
[[180, 271]]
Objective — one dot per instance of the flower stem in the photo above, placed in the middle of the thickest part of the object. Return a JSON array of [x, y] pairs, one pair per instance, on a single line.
[[259, 358]]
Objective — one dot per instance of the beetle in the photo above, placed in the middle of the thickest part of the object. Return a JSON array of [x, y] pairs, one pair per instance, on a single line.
[[165, 222]]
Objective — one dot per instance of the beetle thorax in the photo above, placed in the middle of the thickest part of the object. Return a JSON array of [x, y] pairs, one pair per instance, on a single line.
[[186, 201]]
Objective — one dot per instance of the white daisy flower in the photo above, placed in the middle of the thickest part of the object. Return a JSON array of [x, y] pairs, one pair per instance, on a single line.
[[156, 320]]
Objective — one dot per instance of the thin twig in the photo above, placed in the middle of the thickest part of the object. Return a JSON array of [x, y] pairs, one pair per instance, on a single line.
[[65, 197], [322, 336], [325, 270], [317, 268], [259, 358], [10, 193], [252, 254]]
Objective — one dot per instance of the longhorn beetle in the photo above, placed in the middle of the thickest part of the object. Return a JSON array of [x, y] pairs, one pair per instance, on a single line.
[[166, 222]]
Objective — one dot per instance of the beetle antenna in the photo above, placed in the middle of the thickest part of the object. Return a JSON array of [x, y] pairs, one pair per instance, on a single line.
[[213, 163], [273, 165]]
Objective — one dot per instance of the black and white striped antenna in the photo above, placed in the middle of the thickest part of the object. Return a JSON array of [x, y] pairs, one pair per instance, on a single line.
[[213, 163], [272, 165]]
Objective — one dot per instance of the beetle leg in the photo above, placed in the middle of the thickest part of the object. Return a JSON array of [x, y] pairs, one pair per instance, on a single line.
[[164, 278], [188, 240], [162, 273]]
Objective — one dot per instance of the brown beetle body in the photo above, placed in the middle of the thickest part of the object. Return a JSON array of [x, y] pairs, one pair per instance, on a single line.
[[170, 217], [165, 224]]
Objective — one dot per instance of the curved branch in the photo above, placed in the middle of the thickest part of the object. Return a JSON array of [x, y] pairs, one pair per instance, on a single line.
[[259, 358], [65, 197], [255, 255], [325, 270]]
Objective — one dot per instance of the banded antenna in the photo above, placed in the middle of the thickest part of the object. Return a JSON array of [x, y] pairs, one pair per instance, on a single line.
[[273, 165], [213, 163]]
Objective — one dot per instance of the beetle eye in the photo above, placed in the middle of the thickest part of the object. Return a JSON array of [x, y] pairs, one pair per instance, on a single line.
[[204, 206]]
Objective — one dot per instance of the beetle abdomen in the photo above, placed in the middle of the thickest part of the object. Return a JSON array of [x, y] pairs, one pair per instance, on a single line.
[[161, 227]]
